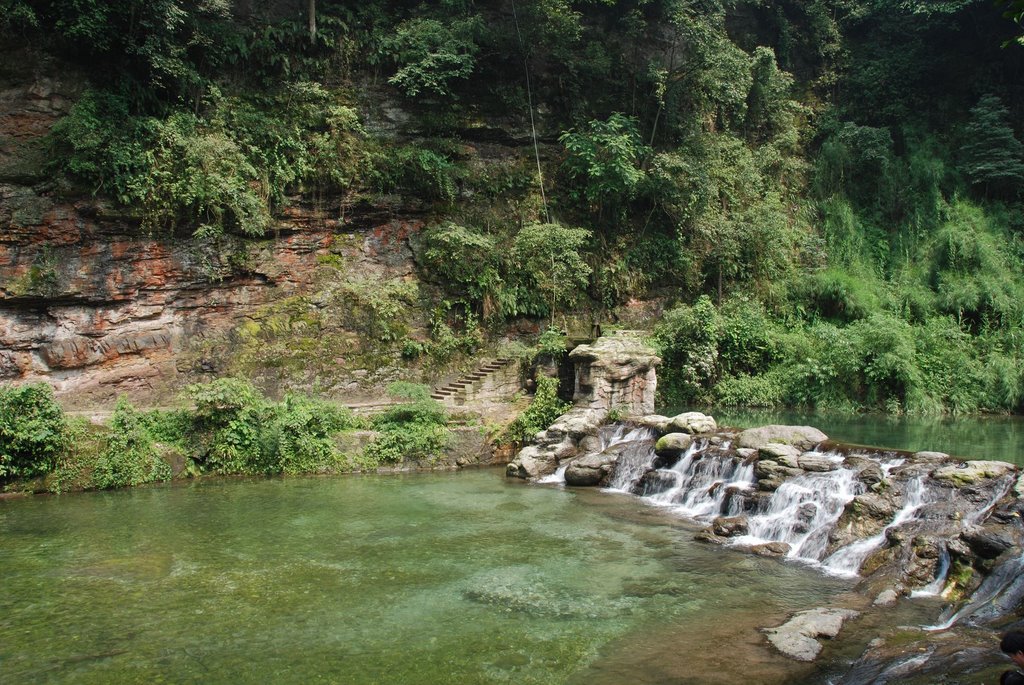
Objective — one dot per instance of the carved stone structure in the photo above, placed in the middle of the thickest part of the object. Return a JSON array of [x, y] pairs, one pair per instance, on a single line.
[[616, 372]]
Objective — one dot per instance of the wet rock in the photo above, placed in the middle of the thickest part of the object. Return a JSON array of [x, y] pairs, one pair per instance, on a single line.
[[886, 598], [1018, 487], [771, 549], [801, 437], [709, 537], [592, 469], [746, 453], [655, 482], [986, 543], [770, 475], [559, 442], [868, 471], [672, 445], [930, 457], [693, 422], [655, 422], [816, 461], [797, 637], [787, 455], [971, 472], [729, 526]]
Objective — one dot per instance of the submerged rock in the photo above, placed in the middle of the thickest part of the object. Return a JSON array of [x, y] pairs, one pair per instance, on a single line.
[[796, 638]]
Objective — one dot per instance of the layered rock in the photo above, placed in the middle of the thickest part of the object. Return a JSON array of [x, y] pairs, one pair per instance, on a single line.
[[616, 372]]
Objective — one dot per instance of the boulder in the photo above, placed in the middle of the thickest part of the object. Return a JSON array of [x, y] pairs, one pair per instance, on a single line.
[[530, 464], [655, 482], [693, 422], [771, 549], [930, 457], [655, 422], [787, 455], [729, 526], [592, 469], [796, 638], [986, 543], [770, 474], [801, 437], [970, 472], [673, 445], [868, 471], [816, 461], [886, 598]]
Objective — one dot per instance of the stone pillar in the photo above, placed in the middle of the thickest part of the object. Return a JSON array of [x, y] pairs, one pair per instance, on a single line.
[[616, 372]]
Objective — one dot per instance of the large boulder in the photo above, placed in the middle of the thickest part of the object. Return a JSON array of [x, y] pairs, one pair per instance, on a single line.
[[797, 638], [592, 469], [787, 455], [673, 445], [693, 422], [655, 482], [801, 437], [971, 472]]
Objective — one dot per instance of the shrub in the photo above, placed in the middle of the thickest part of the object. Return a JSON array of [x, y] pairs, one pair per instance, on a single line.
[[305, 427], [542, 412], [232, 421], [130, 458], [33, 430], [686, 341], [412, 430]]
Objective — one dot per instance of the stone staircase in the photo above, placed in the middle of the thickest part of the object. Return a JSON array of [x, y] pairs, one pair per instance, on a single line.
[[457, 392]]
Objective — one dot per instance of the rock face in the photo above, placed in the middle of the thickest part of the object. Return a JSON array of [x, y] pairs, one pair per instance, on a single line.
[[559, 442], [616, 372]]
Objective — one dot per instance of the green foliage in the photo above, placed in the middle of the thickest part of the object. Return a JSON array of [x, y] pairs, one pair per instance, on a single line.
[[550, 255], [130, 457], [686, 341], [306, 427], [552, 344], [544, 408], [203, 179], [431, 55], [416, 171], [33, 430], [232, 419], [992, 157], [604, 162], [470, 264], [412, 430]]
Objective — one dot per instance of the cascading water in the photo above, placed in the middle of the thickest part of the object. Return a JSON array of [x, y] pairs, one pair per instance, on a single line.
[[847, 561], [704, 482], [633, 459], [934, 588], [803, 511]]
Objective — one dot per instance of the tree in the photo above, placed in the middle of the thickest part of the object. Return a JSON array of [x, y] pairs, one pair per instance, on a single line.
[[431, 55], [992, 157], [604, 161], [549, 253]]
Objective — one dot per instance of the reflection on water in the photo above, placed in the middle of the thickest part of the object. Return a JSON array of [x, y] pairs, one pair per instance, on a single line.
[[985, 437], [428, 578]]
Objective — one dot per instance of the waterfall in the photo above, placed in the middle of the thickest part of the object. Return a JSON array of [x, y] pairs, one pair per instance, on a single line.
[[633, 459], [704, 482], [803, 511], [998, 594], [847, 561], [935, 587]]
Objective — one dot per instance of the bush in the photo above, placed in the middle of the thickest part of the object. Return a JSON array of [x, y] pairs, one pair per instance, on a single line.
[[232, 421], [413, 430], [305, 427], [686, 339], [542, 412], [33, 431], [130, 457]]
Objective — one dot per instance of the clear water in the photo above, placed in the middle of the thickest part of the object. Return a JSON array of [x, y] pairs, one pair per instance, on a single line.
[[426, 578], [987, 437]]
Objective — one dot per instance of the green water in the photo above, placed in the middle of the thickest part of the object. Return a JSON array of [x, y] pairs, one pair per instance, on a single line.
[[426, 578], [988, 437]]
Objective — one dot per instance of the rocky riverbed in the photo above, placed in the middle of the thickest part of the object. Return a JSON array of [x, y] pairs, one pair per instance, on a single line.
[[910, 525]]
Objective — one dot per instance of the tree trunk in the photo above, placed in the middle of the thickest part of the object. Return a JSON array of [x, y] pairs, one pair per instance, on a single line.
[[312, 22]]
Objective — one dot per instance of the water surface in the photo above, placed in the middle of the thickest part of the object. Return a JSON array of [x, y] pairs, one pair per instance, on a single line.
[[426, 578]]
